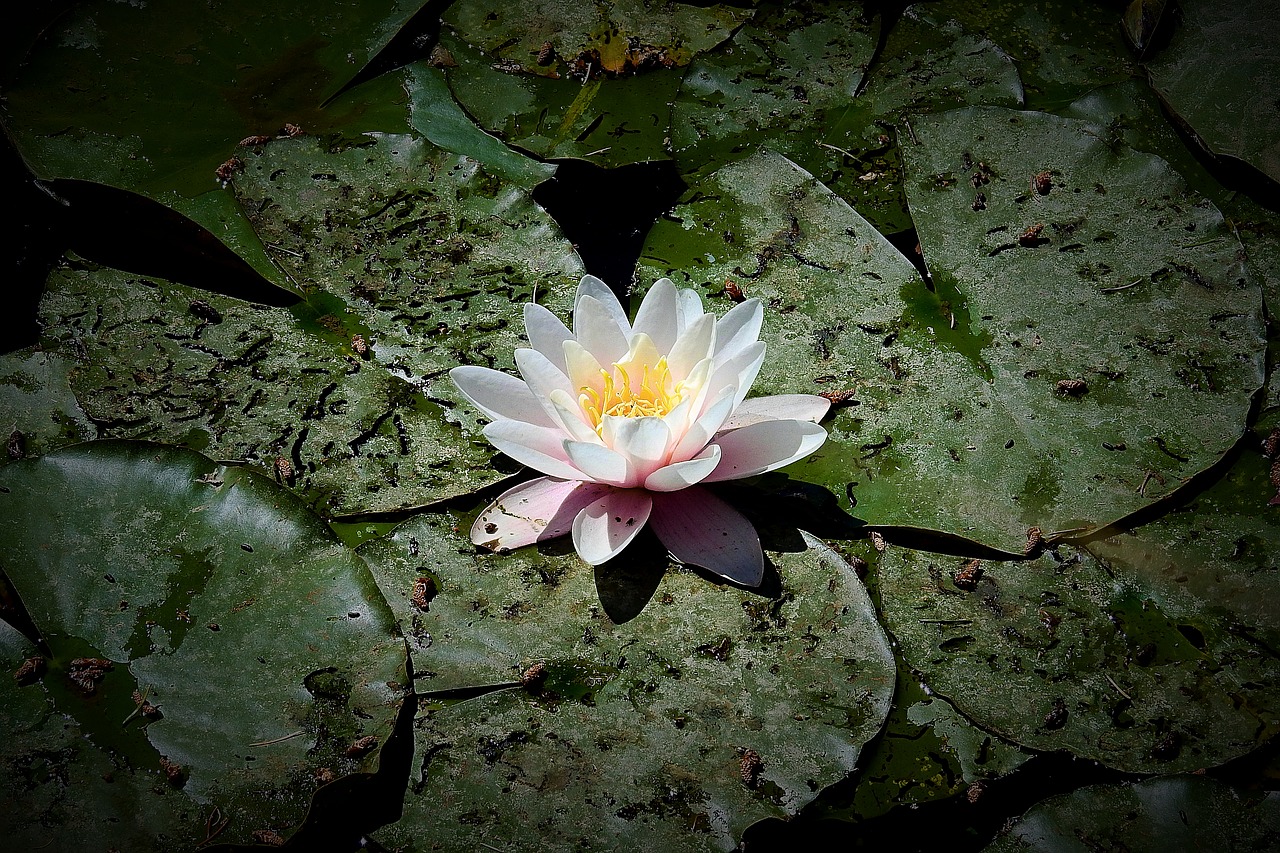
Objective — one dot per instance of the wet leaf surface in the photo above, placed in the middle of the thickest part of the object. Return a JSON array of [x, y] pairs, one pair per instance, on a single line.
[[656, 705], [256, 647], [40, 410]]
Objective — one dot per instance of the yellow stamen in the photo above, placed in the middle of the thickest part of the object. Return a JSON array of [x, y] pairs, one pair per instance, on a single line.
[[655, 396]]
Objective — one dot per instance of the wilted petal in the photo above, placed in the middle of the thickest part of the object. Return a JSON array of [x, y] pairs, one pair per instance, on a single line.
[[682, 475], [601, 464], [598, 330], [546, 333], [706, 426], [739, 328], [693, 345], [541, 448], [656, 316], [700, 529], [599, 291], [643, 441], [688, 308], [531, 512], [765, 446], [796, 407], [608, 525], [499, 395]]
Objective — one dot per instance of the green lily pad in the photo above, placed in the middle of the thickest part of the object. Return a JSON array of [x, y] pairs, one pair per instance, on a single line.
[[39, 410], [419, 253], [657, 709], [1066, 653], [261, 643], [621, 37], [959, 424], [608, 121], [761, 88], [1219, 75], [1167, 813]]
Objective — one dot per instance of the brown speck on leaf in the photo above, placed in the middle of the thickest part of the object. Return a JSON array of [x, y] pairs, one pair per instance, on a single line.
[[17, 445], [173, 772], [533, 677], [268, 836], [31, 670], [362, 747], [840, 398], [1031, 237], [750, 766], [360, 346], [733, 291], [284, 471], [1057, 717], [228, 170], [975, 792], [967, 576], [490, 528], [256, 139], [87, 672], [291, 130], [324, 776], [546, 53], [980, 201], [1042, 182], [441, 58], [424, 589], [1050, 621], [878, 542], [1271, 444], [1035, 542], [1071, 388]]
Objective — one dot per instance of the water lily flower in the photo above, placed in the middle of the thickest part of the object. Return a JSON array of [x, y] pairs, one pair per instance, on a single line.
[[627, 420]]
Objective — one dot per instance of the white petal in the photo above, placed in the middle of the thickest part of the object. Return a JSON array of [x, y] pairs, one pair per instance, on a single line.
[[598, 330], [499, 395], [583, 371], [739, 328], [656, 316], [701, 430], [693, 345], [601, 464], [739, 371], [541, 448], [542, 377], [598, 290], [765, 446], [688, 308], [682, 475], [700, 529], [532, 512], [643, 441], [569, 417], [796, 407], [546, 333], [608, 525]]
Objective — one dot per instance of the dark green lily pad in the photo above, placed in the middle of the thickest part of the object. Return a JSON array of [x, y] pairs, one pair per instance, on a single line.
[[669, 713], [419, 253], [608, 121], [1167, 813], [1219, 74], [39, 411], [959, 424], [787, 80], [262, 642], [1067, 653], [619, 37]]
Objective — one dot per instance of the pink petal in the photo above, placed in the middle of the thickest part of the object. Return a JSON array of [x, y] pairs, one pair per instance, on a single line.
[[598, 290], [546, 333], [499, 395], [700, 529], [599, 331], [779, 407], [642, 441], [765, 446], [600, 464], [682, 475], [706, 426], [541, 448], [739, 328], [532, 512], [656, 316], [608, 525]]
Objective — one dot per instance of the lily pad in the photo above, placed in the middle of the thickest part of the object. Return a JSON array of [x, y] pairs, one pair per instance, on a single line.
[[1168, 813], [412, 255], [39, 410], [1066, 653], [657, 709], [258, 648], [620, 37], [1229, 105], [959, 424]]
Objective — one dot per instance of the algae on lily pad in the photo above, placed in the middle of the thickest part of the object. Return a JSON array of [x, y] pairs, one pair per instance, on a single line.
[[40, 411], [630, 705], [261, 658]]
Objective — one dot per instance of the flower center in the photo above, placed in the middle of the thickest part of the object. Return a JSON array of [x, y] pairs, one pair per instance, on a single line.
[[653, 395]]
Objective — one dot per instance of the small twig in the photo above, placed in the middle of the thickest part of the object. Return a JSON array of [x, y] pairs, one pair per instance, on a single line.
[[587, 76], [280, 248], [1122, 287], [137, 709], [210, 832], [946, 621], [598, 151], [1117, 687], [911, 131], [834, 148], [279, 739]]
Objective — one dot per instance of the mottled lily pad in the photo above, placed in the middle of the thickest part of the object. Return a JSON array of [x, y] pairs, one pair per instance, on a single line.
[[1219, 74], [1068, 653], [959, 422], [414, 261], [258, 648], [620, 37], [1167, 813], [37, 409], [630, 705]]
